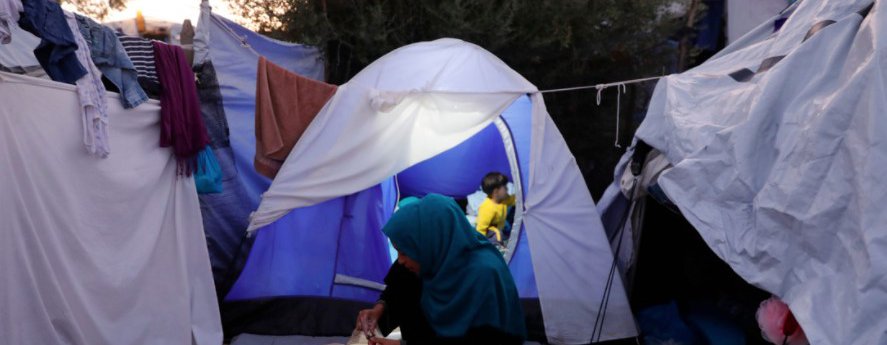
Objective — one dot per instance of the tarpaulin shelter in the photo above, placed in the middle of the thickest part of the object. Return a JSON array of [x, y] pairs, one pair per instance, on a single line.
[[775, 159]]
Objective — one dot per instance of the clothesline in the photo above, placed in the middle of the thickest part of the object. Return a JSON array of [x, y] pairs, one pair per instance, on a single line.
[[602, 86], [620, 86]]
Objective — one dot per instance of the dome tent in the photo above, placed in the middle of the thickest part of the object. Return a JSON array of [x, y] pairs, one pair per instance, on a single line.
[[432, 113]]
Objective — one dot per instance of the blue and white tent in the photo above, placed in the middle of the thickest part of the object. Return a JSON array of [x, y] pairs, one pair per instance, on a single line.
[[431, 117]]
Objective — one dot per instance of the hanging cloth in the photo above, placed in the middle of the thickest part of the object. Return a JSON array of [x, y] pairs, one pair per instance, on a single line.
[[208, 176], [182, 126], [141, 53], [286, 103], [93, 101]]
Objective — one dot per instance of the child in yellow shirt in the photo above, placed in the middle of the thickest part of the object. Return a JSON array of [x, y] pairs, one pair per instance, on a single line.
[[493, 211]]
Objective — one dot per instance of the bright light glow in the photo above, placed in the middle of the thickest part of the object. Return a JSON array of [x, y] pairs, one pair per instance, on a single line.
[[175, 11]]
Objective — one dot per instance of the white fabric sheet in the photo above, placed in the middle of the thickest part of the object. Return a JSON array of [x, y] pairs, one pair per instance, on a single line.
[[783, 174], [96, 251], [425, 98]]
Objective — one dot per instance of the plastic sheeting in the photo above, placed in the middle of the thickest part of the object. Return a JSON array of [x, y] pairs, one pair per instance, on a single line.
[[781, 172], [96, 251], [423, 99]]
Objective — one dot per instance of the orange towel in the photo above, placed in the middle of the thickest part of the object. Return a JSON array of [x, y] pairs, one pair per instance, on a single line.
[[285, 105]]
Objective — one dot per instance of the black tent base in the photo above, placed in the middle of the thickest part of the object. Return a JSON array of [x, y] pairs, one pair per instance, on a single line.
[[321, 317]]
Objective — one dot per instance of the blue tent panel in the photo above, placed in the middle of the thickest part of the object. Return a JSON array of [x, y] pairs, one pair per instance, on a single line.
[[340, 236], [519, 122], [363, 248], [294, 260], [458, 171]]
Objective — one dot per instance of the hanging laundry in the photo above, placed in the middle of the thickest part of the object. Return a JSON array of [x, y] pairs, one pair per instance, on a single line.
[[93, 105], [181, 125], [109, 56], [208, 176], [285, 105], [9, 15], [56, 51], [141, 53]]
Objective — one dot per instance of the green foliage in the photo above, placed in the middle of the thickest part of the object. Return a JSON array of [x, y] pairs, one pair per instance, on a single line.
[[557, 43]]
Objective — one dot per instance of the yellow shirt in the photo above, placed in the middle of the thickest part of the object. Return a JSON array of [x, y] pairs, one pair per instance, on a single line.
[[491, 216]]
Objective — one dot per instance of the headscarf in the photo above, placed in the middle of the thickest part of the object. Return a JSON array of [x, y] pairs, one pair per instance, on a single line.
[[466, 283]]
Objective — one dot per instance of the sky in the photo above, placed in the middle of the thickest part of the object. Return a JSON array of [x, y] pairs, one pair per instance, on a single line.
[[169, 10]]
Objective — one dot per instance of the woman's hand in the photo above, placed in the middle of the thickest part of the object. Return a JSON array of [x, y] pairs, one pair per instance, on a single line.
[[368, 318], [383, 341]]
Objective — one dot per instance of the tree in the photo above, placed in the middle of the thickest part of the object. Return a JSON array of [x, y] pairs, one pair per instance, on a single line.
[[97, 9], [553, 44]]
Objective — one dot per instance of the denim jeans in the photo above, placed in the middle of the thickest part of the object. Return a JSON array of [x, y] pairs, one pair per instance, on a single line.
[[110, 57], [56, 52]]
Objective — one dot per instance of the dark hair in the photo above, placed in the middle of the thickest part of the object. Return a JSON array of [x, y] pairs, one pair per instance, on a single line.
[[493, 181]]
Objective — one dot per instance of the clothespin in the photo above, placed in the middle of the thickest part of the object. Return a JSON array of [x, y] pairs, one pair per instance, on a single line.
[[623, 88], [620, 89]]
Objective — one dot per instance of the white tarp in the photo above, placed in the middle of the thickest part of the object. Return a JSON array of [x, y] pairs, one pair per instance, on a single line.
[[425, 98], [96, 251], [782, 171]]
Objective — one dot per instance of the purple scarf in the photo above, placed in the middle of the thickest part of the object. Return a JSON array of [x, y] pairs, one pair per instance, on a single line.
[[181, 124]]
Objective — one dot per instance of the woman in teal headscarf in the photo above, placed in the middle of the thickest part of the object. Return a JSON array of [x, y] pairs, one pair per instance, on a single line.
[[467, 293]]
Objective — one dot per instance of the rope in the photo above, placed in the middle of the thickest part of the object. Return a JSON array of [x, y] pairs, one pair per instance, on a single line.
[[624, 89], [620, 86], [600, 87]]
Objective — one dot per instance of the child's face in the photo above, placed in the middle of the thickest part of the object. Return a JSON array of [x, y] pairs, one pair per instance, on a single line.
[[500, 194]]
